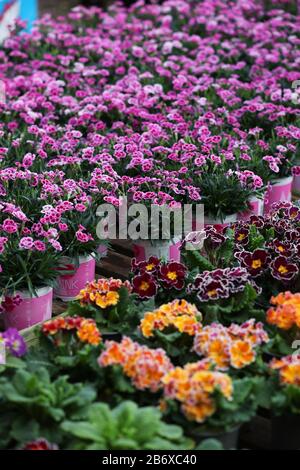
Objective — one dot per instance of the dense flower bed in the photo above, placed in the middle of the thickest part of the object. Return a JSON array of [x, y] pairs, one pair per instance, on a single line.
[[180, 102], [184, 102]]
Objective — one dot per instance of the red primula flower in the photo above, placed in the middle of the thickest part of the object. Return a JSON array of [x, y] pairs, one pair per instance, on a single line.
[[255, 262], [283, 270], [149, 266], [241, 236], [40, 444], [284, 249], [144, 285], [173, 275], [257, 220]]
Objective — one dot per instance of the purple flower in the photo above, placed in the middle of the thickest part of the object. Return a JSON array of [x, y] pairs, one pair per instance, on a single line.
[[14, 342]]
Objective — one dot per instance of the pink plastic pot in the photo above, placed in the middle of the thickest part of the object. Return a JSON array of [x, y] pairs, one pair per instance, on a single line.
[[31, 311], [163, 249], [70, 285], [281, 190], [256, 208], [220, 224]]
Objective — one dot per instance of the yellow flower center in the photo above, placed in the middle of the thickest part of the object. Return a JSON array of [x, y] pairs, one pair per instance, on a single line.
[[282, 269], [210, 293], [172, 275], [149, 267], [256, 263], [144, 286], [241, 236], [280, 248]]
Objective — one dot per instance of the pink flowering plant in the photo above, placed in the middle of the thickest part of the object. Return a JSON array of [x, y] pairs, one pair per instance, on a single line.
[[29, 252], [102, 106]]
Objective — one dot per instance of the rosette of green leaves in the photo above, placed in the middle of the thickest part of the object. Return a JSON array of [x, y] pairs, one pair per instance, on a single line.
[[33, 405], [126, 427]]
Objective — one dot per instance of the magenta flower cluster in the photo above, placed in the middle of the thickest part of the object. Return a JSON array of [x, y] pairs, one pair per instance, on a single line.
[[143, 102]]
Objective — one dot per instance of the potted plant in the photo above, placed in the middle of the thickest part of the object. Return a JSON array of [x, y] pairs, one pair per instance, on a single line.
[[281, 159], [71, 344], [266, 247], [172, 326], [284, 317], [110, 303], [79, 241], [127, 426], [29, 254], [237, 348], [33, 405], [285, 402], [144, 367], [223, 295], [209, 403], [160, 230], [223, 197], [158, 279]]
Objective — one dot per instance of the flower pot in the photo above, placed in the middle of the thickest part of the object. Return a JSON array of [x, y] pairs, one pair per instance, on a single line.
[[256, 208], [162, 249], [220, 224], [31, 311], [229, 439], [286, 432], [70, 285], [280, 190]]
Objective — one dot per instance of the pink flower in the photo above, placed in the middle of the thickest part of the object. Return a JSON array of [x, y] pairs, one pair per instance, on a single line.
[[63, 227], [26, 243], [10, 226], [80, 207], [83, 237], [55, 244], [39, 245], [28, 160]]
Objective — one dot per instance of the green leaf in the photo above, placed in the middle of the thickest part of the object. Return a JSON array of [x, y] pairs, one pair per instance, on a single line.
[[125, 443], [85, 431], [25, 431], [210, 444], [196, 260], [170, 431]]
